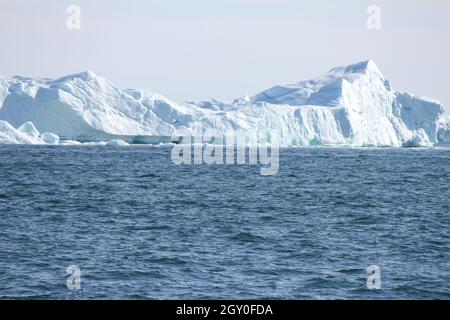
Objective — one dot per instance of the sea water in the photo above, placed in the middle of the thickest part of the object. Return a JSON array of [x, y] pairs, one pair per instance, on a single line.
[[137, 226]]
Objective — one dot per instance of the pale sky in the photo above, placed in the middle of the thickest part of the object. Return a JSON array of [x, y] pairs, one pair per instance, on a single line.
[[202, 49]]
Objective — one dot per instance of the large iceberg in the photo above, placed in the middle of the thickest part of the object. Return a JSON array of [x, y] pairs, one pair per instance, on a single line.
[[353, 105]]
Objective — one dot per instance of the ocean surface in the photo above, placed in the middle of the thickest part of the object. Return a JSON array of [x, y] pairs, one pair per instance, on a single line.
[[140, 227]]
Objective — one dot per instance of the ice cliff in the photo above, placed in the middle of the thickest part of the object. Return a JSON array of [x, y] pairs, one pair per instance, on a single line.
[[353, 105]]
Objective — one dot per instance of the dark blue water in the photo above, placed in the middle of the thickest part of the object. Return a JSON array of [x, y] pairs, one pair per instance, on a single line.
[[140, 227]]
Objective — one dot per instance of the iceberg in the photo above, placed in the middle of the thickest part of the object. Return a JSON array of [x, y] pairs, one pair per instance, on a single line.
[[348, 106], [24, 135]]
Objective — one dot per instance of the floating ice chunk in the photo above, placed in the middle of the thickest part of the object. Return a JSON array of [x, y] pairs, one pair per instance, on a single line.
[[69, 143], [96, 143], [10, 135], [50, 138], [117, 143]]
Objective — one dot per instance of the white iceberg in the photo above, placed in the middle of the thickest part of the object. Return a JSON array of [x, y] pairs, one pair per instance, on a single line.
[[11, 135], [350, 106], [25, 134]]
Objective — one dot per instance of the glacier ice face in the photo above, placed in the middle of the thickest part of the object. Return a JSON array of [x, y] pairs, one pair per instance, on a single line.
[[353, 105], [420, 139], [444, 127]]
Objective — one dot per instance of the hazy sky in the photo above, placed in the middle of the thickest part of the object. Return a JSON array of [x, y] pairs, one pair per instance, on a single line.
[[199, 49]]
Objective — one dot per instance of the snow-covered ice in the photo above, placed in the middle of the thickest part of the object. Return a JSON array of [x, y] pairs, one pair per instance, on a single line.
[[350, 106]]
